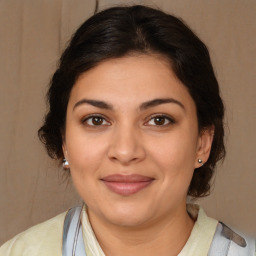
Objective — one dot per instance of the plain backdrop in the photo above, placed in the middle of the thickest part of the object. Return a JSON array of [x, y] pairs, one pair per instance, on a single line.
[[33, 34]]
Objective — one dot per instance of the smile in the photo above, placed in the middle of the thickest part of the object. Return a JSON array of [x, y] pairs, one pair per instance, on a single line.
[[126, 185]]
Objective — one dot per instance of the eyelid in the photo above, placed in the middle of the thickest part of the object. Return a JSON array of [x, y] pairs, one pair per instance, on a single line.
[[168, 117], [84, 119]]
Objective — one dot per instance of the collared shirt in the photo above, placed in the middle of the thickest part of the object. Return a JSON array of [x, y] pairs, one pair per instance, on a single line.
[[46, 238]]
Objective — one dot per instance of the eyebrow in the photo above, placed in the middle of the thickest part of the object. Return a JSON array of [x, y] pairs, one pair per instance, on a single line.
[[95, 103], [156, 102], [143, 106]]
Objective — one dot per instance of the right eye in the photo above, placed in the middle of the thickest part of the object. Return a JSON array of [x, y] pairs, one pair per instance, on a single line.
[[95, 120]]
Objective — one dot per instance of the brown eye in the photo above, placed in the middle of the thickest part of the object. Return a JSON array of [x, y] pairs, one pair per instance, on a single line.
[[160, 120], [95, 121]]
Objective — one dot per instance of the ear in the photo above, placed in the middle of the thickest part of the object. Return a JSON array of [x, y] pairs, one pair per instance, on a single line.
[[204, 145], [65, 153], [64, 149]]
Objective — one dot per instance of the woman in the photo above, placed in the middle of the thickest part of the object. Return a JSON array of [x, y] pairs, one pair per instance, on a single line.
[[136, 117]]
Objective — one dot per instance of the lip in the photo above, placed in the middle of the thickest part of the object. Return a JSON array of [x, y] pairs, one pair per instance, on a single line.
[[126, 185]]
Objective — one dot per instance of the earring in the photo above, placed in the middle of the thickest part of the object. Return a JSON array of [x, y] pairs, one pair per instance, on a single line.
[[200, 161], [65, 163]]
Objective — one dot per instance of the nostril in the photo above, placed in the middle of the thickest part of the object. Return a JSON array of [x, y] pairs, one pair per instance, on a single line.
[[126, 156], [126, 146]]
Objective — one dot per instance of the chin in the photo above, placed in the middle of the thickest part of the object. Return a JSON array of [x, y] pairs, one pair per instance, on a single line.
[[128, 215], [128, 221]]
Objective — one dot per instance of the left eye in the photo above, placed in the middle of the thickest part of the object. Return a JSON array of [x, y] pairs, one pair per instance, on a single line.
[[160, 121], [96, 121]]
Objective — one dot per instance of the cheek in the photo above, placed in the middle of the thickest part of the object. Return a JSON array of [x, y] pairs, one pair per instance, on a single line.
[[174, 157], [85, 153], [176, 150], [86, 160]]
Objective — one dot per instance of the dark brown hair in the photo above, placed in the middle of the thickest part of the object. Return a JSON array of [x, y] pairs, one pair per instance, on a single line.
[[119, 31]]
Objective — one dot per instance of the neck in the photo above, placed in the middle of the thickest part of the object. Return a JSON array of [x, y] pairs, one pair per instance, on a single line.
[[164, 236]]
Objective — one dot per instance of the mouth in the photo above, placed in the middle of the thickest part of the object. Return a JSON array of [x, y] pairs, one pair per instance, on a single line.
[[126, 185]]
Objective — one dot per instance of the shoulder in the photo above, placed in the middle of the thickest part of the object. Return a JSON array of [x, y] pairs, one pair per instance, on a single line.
[[229, 242], [42, 239], [218, 238]]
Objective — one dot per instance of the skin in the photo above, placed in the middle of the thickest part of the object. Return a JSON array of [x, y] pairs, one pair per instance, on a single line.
[[128, 140]]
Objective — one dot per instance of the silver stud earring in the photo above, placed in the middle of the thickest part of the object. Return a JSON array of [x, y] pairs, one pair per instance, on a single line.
[[65, 163], [200, 161]]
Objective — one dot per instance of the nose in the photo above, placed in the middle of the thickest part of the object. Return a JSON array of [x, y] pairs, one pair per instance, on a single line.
[[126, 146]]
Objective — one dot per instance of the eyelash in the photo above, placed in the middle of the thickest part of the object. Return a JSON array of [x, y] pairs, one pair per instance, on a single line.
[[85, 120], [166, 117]]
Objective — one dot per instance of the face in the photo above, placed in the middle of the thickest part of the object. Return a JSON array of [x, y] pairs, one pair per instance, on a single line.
[[132, 140]]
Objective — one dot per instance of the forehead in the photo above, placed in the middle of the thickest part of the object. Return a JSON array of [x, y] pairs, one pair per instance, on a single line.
[[130, 79]]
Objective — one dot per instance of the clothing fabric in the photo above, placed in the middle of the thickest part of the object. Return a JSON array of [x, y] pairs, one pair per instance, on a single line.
[[46, 238], [226, 242], [40, 240], [198, 243], [73, 242]]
